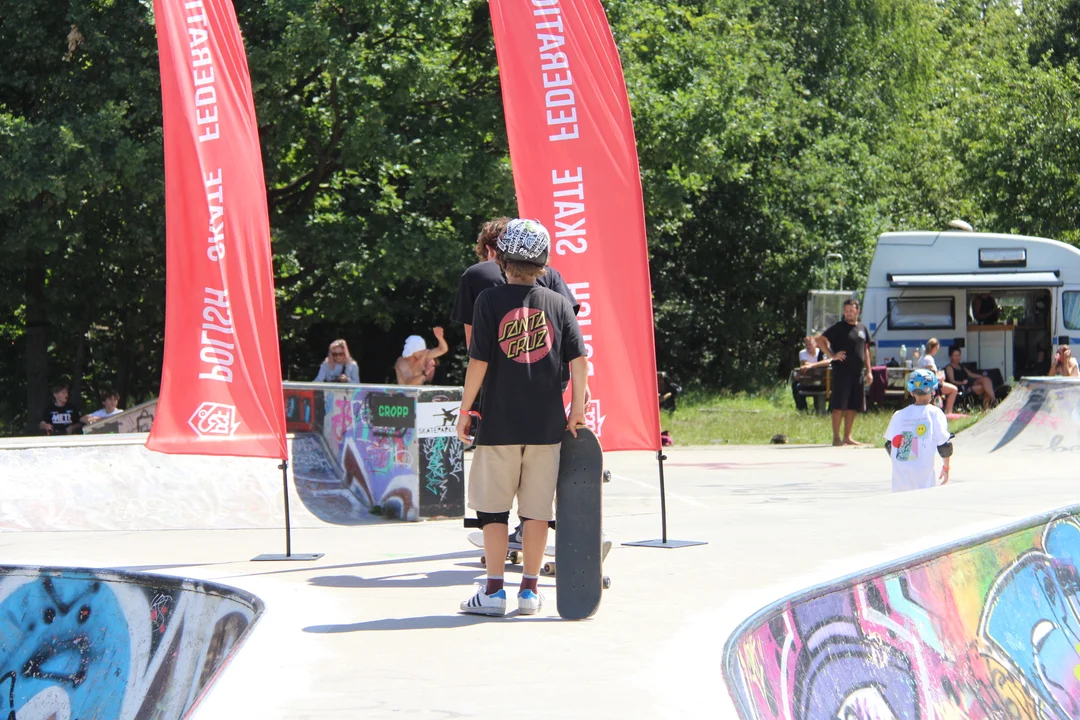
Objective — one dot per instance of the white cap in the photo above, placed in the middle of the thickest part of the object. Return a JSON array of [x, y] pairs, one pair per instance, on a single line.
[[413, 343]]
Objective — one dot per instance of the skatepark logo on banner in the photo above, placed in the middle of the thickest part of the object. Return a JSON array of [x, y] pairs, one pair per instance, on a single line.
[[214, 419], [593, 419]]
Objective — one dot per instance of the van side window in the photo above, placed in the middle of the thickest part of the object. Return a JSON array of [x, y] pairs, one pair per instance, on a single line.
[[1070, 308], [924, 313]]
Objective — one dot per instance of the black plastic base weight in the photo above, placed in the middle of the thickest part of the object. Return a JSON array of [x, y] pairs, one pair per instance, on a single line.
[[670, 544], [281, 556]]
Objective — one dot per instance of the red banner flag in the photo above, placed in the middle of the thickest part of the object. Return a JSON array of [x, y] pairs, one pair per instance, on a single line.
[[575, 166], [221, 381]]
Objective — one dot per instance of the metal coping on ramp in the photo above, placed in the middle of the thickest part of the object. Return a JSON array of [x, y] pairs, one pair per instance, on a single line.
[[985, 627], [80, 643]]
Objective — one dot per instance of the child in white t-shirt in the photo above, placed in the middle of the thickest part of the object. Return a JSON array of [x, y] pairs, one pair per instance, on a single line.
[[915, 434]]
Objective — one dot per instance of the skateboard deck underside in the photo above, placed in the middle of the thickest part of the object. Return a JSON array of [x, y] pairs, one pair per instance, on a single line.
[[578, 539]]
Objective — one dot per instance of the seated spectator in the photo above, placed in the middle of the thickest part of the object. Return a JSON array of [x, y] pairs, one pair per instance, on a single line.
[[947, 389], [61, 417], [667, 390], [810, 357], [339, 365], [959, 376], [1064, 363], [416, 365], [110, 399]]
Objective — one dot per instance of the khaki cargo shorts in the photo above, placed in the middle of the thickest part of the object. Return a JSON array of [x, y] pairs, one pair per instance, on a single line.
[[499, 472]]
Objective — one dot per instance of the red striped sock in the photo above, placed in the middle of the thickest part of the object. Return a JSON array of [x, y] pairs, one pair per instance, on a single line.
[[494, 585], [528, 582]]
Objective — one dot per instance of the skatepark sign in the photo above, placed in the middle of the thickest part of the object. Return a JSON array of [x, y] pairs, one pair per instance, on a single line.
[[392, 411], [437, 419]]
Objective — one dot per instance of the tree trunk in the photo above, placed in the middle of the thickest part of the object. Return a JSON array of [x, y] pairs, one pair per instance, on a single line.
[[37, 342], [77, 372]]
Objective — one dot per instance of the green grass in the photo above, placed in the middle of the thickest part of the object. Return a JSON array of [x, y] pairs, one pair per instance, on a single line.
[[746, 419]]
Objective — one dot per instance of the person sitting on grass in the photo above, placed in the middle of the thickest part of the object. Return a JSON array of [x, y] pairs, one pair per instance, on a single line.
[[810, 357], [961, 377], [948, 390], [914, 434]]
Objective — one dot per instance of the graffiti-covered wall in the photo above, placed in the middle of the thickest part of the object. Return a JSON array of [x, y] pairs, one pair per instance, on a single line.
[[133, 420], [394, 448], [988, 629], [102, 644]]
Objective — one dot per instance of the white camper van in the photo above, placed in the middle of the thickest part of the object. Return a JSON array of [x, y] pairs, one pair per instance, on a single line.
[[1005, 299]]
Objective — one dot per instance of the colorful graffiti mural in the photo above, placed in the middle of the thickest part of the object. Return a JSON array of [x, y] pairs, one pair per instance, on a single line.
[[104, 644], [133, 420], [987, 629], [393, 448]]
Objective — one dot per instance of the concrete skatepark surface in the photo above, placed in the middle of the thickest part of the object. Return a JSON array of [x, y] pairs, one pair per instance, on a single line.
[[372, 629]]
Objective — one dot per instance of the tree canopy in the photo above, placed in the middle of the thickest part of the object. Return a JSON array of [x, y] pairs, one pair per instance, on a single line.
[[770, 134]]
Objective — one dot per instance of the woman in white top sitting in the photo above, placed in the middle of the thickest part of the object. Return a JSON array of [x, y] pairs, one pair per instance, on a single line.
[[338, 365], [1064, 363], [948, 390]]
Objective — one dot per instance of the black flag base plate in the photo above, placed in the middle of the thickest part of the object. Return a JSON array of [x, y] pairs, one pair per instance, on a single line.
[[292, 556], [666, 543]]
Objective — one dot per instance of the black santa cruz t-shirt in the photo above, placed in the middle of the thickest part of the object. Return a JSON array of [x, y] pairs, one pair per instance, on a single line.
[[526, 334]]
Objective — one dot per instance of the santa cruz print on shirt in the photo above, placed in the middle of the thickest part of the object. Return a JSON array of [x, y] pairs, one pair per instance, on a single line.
[[524, 335]]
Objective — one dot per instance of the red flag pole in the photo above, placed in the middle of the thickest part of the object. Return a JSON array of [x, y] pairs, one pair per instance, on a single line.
[[575, 165], [221, 391]]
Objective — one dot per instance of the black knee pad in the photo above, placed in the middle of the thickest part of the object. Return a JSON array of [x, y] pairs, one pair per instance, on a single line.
[[551, 523], [484, 518]]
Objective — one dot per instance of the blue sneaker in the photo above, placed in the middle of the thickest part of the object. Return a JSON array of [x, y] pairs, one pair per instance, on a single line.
[[482, 604], [529, 602]]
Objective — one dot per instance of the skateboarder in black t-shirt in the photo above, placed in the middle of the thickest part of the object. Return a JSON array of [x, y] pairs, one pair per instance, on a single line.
[[487, 274], [523, 335], [846, 344]]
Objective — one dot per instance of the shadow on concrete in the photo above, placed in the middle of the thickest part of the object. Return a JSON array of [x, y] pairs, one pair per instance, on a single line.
[[152, 568], [374, 563], [427, 622], [439, 578]]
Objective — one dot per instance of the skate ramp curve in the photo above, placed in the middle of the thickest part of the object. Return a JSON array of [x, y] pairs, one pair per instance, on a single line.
[[112, 482], [986, 628], [1039, 418], [78, 643]]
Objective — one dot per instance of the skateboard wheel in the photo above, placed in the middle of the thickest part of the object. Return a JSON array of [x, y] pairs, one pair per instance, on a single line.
[[607, 476], [548, 569], [607, 582], [483, 560], [515, 557]]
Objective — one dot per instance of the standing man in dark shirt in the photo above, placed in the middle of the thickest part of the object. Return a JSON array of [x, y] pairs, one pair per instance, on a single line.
[[845, 343], [523, 335], [487, 273], [62, 417]]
